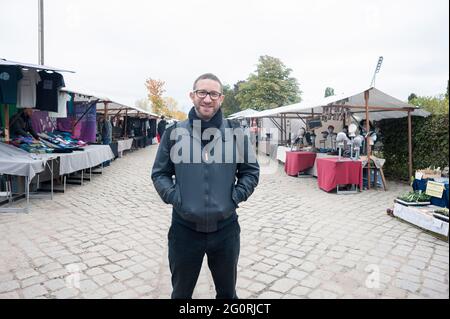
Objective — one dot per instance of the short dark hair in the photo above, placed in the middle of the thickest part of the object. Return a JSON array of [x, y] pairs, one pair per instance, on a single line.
[[208, 76], [162, 117]]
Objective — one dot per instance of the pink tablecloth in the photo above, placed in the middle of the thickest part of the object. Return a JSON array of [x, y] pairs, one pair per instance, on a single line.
[[332, 172], [298, 162]]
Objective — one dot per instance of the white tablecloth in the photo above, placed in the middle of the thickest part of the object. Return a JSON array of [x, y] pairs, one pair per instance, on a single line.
[[123, 145], [281, 153], [92, 155], [17, 162]]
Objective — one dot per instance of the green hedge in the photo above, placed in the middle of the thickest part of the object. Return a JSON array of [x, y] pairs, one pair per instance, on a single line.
[[430, 144]]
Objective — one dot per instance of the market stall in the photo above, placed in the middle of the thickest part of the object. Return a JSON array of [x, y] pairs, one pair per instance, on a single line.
[[53, 133], [132, 127], [366, 105]]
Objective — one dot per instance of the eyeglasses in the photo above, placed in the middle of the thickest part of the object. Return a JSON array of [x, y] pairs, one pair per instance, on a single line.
[[203, 93]]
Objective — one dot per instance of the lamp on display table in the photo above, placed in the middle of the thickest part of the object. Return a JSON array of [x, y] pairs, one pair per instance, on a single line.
[[356, 147], [341, 138], [355, 142], [299, 140]]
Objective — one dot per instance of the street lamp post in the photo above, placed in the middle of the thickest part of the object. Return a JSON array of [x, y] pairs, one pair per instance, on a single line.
[[41, 31]]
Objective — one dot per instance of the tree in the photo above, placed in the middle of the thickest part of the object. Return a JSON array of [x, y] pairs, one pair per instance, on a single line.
[[433, 104], [271, 86], [329, 92], [155, 91], [230, 105], [171, 105], [411, 97], [172, 109]]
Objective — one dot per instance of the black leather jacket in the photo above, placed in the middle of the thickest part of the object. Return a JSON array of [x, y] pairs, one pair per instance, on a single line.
[[205, 193]]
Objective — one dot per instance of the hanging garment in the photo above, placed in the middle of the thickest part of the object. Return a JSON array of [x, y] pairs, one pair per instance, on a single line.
[[63, 98], [26, 90], [47, 91], [9, 77]]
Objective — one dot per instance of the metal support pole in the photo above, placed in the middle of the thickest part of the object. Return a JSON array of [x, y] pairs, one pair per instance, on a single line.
[[27, 189], [366, 98], [126, 120], [410, 160], [41, 32], [51, 183]]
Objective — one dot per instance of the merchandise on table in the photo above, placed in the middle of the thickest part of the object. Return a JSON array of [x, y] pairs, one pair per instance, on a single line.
[[63, 140], [414, 198], [56, 142], [30, 145]]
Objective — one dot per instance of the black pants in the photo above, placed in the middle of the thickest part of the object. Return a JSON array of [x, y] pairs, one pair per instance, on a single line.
[[186, 251]]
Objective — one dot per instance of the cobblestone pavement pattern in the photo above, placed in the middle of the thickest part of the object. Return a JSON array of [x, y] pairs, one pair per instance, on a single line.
[[110, 237]]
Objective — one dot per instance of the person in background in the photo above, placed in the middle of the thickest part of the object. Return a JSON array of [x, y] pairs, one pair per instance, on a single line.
[[20, 124], [106, 135], [161, 128]]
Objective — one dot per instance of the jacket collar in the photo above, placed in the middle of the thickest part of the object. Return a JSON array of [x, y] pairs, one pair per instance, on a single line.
[[225, 124]]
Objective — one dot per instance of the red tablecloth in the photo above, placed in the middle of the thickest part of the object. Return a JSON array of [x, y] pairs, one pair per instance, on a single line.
[[332, 172], [298, 162]]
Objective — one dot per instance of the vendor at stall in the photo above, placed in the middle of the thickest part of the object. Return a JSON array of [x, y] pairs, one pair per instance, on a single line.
[[20, 124]]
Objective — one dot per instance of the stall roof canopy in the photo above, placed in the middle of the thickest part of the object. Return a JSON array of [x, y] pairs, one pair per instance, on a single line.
[[381, 106], [112, 105], [32, 66], [243, 114]]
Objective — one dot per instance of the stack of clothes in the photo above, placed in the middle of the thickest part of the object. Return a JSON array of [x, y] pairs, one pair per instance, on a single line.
[[31, 146], [62, 142], [55, 142]]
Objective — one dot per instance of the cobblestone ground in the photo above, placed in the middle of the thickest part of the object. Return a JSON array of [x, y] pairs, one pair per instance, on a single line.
[[110, 236]]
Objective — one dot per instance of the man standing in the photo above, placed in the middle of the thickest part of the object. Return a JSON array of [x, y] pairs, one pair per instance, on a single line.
[[161, 128], [205, 193], [106, 135]]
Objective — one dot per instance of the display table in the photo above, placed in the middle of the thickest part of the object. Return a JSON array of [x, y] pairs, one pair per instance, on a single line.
[[17, 162], [332, 172], [124, 145], [298, 161], [93, 155], [313, 170], [281, 153], [421, 217]]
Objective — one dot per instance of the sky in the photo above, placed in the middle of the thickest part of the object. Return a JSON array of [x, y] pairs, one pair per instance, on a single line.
[[114, 46]]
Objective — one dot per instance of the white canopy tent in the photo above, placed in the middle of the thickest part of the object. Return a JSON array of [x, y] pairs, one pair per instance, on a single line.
[[381, 106], [243, 114], [370, 104], [32, 66]]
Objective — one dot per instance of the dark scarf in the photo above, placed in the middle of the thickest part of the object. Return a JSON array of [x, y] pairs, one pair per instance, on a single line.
[[215, 121]]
